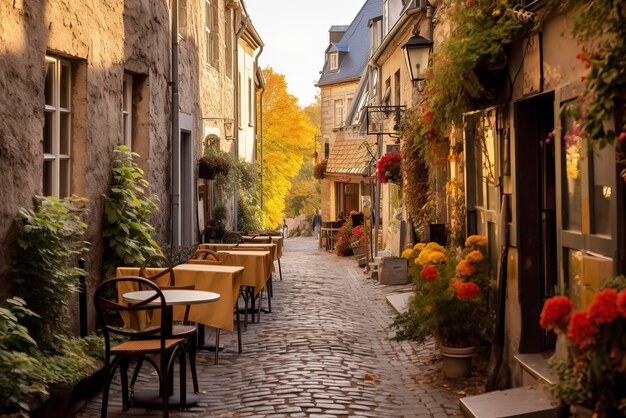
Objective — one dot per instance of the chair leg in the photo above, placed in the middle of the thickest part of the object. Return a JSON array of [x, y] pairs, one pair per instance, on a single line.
[[135, 375], [183, 380], [124, 382], [110, 373], [238, 326], [217, 344], [269, 295], [164, 385], [280, 270], [191, 347]]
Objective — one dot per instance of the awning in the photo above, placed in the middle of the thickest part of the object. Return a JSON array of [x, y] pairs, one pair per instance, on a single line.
[[350, 156]]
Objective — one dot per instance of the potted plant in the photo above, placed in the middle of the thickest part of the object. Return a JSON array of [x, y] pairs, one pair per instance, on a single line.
[[388, 168], [356, 241], [592, 379], [450, 301], [343, 239], [211, 165]]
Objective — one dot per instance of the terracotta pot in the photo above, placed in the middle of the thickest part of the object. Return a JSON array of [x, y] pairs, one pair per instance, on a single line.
[[579, 411], [457, 362]]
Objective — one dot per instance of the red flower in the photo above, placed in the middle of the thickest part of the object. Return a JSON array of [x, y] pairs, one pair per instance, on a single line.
[[555, 312], [603, 309], [581, 330], [467, 291], [621, 137], [429, 273], [621, 302], [427, 116]]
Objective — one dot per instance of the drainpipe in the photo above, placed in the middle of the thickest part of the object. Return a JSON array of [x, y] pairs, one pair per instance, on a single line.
[[260, 127], [242, 27], [175, 143]]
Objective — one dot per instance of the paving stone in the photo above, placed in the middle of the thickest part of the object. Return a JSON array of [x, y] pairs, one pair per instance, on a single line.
[[328, 329]]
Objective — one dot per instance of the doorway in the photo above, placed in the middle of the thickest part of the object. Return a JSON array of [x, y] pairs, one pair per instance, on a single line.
[[187, 184], [536, 216], [350, 198]]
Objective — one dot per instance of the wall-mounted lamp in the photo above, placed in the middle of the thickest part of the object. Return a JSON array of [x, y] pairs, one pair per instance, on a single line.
[[228, 127], [417, 56]]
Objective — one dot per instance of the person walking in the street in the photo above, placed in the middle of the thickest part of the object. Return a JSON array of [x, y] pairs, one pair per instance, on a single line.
[[317, 223]]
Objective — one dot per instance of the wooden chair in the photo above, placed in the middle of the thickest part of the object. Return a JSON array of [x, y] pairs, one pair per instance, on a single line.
[[204, 256], [142, 343], [232, 238], [185, 329]]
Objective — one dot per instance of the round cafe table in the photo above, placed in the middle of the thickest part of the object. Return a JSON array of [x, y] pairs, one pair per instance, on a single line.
[[173, 297]]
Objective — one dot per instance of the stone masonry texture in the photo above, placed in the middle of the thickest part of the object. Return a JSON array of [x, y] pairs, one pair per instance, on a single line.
[[324, 351]]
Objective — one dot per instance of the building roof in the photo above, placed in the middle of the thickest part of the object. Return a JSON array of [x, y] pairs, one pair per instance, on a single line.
[[338, 28], [349, 156], [354, 46]]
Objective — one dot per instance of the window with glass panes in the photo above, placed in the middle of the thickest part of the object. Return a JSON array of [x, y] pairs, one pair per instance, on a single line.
[[57, 128], [338, 113], [127, 111]]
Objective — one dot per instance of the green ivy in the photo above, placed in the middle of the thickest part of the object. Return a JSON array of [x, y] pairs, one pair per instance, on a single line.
[[126, 231], [73, 363], [21, 378], [50, 238]]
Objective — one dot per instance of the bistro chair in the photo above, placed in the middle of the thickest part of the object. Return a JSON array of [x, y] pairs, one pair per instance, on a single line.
[[140, 342], [232, 238], [204, 256], [185, 329]]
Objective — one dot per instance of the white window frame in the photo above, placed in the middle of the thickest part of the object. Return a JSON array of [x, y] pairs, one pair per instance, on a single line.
[[127, 111], [334, 61], [59, 115], [208, 35], [228, 42], [338, 107], [250, 102]]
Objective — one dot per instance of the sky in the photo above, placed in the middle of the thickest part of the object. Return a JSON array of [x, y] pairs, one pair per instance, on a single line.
[[295, 34]]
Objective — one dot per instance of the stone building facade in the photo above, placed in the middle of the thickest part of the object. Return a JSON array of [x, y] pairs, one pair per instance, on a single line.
[[80, 78]]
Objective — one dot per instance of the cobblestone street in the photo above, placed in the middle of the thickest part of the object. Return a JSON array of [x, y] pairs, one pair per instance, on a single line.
[[323, 351]]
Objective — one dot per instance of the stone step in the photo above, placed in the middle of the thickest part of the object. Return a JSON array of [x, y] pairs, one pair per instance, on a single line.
[[535, 369], [399, 301], [521, 402]]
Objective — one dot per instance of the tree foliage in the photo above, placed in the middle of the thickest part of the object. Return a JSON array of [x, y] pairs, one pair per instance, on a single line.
[[305, 193], [288, 138]]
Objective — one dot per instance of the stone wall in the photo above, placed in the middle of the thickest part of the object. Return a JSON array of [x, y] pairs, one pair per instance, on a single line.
[[102, 40]]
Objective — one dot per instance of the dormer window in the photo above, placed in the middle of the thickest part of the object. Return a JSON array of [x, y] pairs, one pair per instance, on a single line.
[[334, 61]]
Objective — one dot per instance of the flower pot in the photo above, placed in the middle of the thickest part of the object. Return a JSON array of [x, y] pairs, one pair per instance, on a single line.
[[579, 411], [457, 362], [358, 250]]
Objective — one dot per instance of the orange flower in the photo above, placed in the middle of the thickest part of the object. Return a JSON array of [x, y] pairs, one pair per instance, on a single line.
[[464, 268], [474, 257], [475, 241]]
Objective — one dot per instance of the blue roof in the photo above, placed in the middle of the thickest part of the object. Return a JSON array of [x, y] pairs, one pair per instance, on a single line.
[[353, 46]]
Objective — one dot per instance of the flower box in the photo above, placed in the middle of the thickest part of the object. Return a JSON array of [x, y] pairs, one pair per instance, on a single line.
[[393, 271]]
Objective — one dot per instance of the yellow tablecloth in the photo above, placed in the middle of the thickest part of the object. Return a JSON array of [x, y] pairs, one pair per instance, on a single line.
[[260, 239], [272, 248], [221, 279], [258, 265]]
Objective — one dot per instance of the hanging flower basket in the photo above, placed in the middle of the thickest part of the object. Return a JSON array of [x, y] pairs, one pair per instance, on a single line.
[[388, 168], [210, 166], [320, 169]]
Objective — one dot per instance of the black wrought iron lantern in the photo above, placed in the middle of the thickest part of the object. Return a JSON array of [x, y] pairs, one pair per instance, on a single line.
[[417, 54]]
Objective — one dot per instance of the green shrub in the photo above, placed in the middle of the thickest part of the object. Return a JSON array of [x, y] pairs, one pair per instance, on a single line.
[[21, 380], [126, 231], [50, 238], [74, 362], [249, 215]]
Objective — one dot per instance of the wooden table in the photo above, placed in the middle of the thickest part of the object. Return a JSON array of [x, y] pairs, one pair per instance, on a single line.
[[257, 266], [261, 239], [221, 279], [272, 248]]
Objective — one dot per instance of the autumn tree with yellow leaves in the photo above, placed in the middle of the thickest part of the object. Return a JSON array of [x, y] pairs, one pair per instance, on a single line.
[[287, 141]]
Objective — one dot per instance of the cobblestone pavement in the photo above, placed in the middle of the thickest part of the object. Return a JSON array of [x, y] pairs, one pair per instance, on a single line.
[[323, 351]]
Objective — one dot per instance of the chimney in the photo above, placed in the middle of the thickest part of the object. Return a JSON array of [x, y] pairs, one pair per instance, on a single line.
[[336, 32]]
